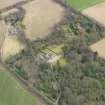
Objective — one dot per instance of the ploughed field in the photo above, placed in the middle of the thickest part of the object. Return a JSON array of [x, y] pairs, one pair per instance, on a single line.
[[96, 12], [41, 16]]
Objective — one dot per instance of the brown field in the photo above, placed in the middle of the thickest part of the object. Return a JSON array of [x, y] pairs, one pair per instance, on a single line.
[[5, 3], [99, 47], [41, 16], [96, 12]]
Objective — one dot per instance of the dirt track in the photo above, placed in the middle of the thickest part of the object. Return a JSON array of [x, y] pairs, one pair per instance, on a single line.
[[96, 12]]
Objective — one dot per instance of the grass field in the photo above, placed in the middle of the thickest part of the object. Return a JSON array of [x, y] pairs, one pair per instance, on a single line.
[[11, 93], [83, 4]]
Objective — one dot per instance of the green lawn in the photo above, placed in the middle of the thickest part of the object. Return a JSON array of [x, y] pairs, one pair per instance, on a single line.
[[62, 62], [83, 4], [11, 93], [57, 48]]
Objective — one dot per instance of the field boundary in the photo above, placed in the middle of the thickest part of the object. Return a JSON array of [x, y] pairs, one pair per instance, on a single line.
[[33, 91], [16, 5]]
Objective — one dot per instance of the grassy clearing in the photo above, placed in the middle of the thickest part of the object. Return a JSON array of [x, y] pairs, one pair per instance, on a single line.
[[11, 93], [83, 4], [62, 62], [11, 46]]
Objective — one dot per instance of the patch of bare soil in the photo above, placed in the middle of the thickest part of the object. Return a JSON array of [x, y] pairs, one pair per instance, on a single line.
[[41, 17], [99, 47]]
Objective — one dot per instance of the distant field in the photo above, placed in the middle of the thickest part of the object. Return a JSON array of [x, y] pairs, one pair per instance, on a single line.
[[96, 12], [11, 93], [41, 16], [83, 4], [99, 47], [5, 3]]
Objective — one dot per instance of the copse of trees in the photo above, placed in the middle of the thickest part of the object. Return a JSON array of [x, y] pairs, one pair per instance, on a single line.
[[80, 82], [76, 49]]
